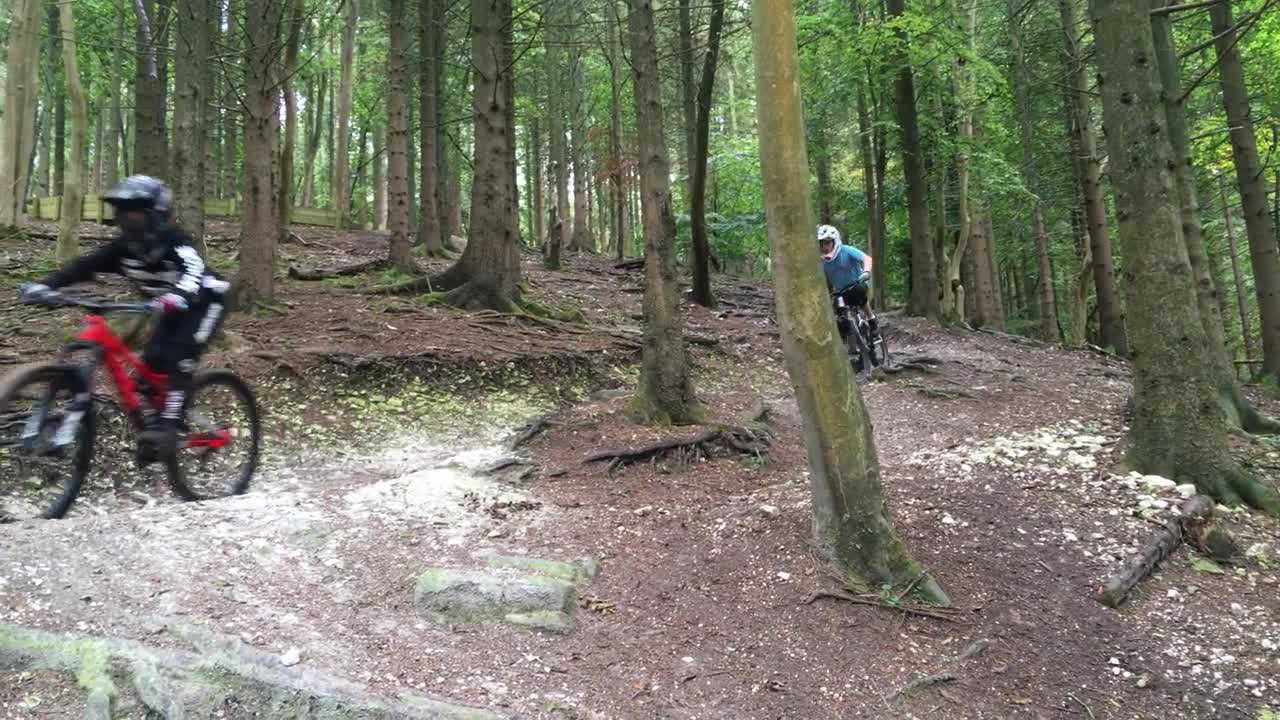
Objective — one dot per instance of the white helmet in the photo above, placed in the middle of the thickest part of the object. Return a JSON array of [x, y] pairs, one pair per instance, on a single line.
[[827, 232]]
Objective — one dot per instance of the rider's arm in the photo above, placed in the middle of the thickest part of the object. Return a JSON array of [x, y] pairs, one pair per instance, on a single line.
[[105, 259], [188, 284]]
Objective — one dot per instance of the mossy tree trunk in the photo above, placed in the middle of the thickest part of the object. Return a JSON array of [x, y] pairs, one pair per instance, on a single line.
[[1179, 430], [851, 521], [191, 67], [73, 180], [431, 234], [1240, 413], [666, 388], [1264, 255], [398, 74]]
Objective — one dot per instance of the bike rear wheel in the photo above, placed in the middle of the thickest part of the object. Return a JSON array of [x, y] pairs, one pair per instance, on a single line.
[[46, 441], [859, 353], [218, 440]]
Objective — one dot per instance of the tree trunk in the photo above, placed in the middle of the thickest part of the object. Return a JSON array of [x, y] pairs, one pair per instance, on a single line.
[[618, 174], [313, 142], [988, 311], [1177, 431], [666, 391], [111, 156], [1240, 413], [94, 183], [924, 280], [851, 523], [488, 273], [259, 216], [535, 172], [381, 181], [58, 123], [232, 119], [430, 233], [21, 91], [870, 189], [72, 196], [191, 63], [284, 189], [1263, 253], [555, 111], [581, 239], [1049, 330], [698, 185], [687, 90], [1110, 315], [342, 143], [398, 76], [822, 169], [150, 148], [1242, 298], [953, 292]]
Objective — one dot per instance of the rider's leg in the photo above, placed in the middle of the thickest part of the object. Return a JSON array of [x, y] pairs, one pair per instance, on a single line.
[[173, 351]]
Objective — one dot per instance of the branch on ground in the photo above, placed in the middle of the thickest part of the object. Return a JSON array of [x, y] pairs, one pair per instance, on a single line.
[[302, 273]]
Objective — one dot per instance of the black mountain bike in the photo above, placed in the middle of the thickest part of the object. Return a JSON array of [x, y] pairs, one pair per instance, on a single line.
[[867, 346]]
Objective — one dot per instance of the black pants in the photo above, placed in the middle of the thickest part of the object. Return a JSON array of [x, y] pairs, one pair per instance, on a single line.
[[181, 338]]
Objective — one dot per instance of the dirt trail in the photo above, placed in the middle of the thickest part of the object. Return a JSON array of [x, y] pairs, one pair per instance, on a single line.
[[998, 468]]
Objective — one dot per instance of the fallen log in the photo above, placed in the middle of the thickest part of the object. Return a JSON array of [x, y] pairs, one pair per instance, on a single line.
[[301, 273], [1194, 515], [634, 264]]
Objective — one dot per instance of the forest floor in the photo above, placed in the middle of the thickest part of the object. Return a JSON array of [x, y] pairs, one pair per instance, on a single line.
[[384, 417]]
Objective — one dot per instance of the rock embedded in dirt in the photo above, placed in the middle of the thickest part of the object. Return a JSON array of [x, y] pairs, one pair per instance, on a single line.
[[528, 592], [122, 678]]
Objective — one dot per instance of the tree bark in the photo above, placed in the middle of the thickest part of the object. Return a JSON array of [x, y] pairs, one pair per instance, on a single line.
[[232, 119], [1240, 413], [380, 180], [1049, 329], [1110, 313], [430, 233], [317, 102], [618, 174], [665, 394], [111, 155], [988, 310], [488, 273], [851, 523], [191, 63], [924, 280], [555, 110], [1242, 297], [398, 77], [150, 145], [535, 173], [581, 239], [21, 92], [953, 292], [72, 195], [58, 126], [698, 184], [687, 90], [284, 190], [259, 216], [1263, 252], [1178, 430], [342, 143]]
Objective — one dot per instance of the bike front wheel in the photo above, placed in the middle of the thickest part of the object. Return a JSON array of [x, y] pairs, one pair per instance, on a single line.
[[218, 440], [46, 441]]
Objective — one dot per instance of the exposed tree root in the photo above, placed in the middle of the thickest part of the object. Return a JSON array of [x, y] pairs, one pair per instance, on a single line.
[[751, 437], [1194, 521], [1018, 339], [935, 613], [936, 393], [918, 684], [915, 363], [301, 273], [532, 429]]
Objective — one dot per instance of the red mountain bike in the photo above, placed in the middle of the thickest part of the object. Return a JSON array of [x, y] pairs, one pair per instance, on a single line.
[[48, 413]]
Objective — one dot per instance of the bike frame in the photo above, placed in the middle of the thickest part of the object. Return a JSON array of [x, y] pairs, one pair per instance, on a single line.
[[122, 364]]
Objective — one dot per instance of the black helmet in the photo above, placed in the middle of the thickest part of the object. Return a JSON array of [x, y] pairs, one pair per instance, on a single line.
[[141, 192]]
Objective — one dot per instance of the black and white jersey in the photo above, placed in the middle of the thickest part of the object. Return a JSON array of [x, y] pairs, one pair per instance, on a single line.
[[167, 264]]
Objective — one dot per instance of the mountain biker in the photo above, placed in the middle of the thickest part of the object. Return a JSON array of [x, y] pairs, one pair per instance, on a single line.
[[162, 263], [848, 270]]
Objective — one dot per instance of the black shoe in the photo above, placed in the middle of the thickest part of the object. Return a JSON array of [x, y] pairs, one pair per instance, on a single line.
[[159, 441]]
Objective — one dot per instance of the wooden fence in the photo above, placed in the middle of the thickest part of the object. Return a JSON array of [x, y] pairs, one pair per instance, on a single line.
[[50, 208]]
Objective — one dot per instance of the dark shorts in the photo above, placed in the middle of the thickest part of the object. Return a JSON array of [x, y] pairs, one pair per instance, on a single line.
[[180, 338], [855, 295]]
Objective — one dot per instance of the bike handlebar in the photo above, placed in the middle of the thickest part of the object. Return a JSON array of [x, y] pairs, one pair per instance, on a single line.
[[57, 299]]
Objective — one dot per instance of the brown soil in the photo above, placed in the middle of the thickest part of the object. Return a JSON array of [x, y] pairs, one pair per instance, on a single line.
[[1004, 491]]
